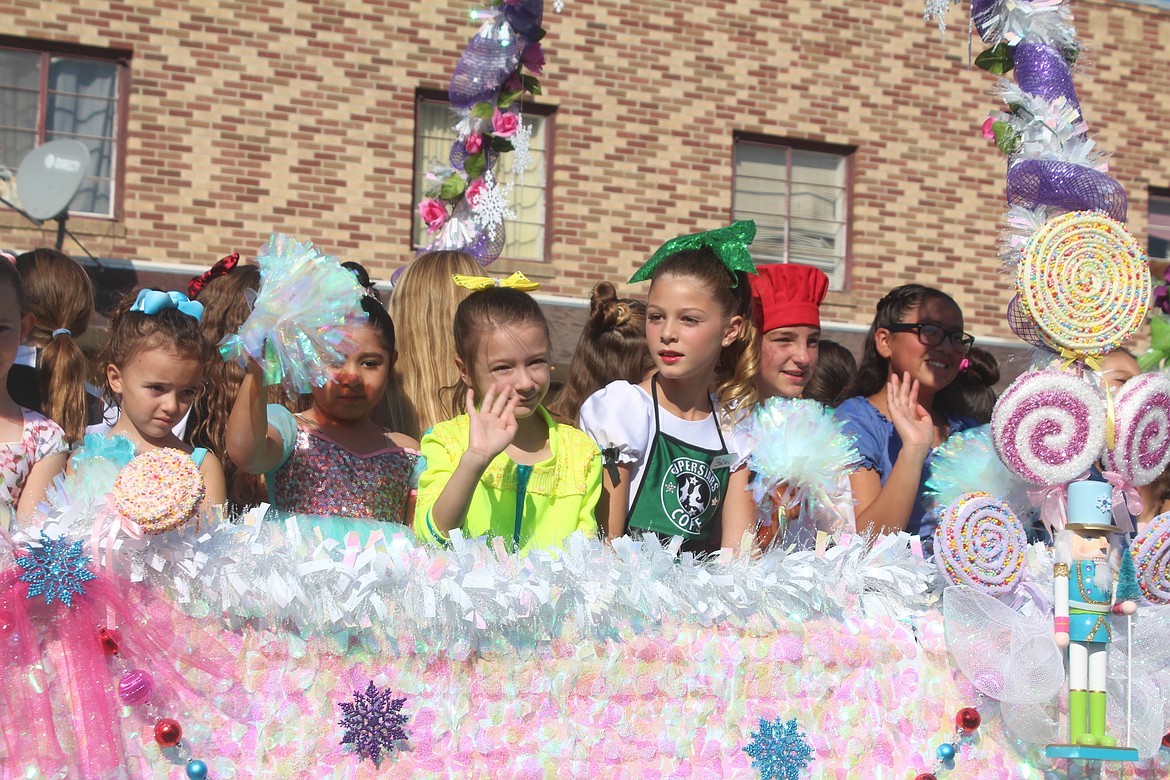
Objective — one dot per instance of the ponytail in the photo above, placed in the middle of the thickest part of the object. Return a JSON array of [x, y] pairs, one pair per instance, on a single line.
[[59, 293]]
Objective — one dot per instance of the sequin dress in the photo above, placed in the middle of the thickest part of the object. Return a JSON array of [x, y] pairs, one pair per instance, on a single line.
[[318, 476]]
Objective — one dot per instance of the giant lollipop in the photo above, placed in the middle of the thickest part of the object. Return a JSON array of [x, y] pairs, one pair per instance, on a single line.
[[1049, 426], [1083, 280], [1150, 552], [980, 543], [1141, 450]]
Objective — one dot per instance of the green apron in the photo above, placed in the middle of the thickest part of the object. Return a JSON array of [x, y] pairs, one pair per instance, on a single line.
[[682, 485]]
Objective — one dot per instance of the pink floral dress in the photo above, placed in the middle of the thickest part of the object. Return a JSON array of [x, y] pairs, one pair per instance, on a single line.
[[41, 438]]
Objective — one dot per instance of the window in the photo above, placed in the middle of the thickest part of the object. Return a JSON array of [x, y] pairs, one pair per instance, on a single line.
[[1159, 239], [46, 95], [524, 236], [799, 199]]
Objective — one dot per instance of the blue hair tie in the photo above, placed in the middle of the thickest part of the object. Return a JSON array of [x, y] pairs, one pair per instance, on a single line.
[[61, 332], [153, 301]]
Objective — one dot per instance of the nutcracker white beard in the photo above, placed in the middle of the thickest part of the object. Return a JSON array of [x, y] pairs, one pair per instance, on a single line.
[[1103, 576]]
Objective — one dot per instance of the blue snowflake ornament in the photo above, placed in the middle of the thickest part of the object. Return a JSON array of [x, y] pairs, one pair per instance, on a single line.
[[373, 722], [779, 751], [56, 570]]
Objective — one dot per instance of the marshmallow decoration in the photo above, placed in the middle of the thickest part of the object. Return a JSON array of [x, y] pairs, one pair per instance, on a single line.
[[1141, 450], [1150, 552], [980, 543], [1084, 281], [159, 490], [1049, 426]]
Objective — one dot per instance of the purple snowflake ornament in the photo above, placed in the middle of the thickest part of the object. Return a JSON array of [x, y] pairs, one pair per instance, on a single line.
[[373, 722]]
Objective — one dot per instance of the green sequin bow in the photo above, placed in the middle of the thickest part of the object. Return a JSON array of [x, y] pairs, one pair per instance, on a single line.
[[730, 245]]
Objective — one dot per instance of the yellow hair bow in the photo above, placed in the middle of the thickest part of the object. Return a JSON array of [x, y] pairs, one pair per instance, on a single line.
[[516, 281]]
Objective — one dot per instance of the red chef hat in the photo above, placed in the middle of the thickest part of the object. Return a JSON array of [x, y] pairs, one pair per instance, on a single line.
[[788, 294]]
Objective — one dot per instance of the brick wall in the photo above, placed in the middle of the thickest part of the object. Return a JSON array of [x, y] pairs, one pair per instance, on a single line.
[[252, 117]]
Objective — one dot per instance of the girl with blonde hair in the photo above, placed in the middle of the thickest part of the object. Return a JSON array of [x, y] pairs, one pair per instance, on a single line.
[[422, 306]]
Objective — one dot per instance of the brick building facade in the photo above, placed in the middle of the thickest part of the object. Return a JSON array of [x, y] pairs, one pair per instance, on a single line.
[[238, 119]]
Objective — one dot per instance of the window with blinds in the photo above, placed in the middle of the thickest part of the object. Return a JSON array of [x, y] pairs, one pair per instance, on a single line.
[[799, 199], [1159, 236], [524, 236], [45, 96]]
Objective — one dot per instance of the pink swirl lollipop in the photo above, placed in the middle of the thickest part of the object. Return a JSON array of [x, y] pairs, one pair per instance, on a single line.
[[1049, 426], [1142, 439], [980, 543], [1150, 552]]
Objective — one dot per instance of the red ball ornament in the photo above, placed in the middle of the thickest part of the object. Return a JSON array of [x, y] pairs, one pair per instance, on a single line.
[[168, 732], [109, 639], [926, 776], [1166, 741], [968, 719]]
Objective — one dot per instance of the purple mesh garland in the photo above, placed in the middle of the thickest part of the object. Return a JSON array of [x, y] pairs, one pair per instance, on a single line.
[[1041, 70], [459, 156], [1066, 186], [984, 15], [488, 61], [525, 16], [1024, 326]]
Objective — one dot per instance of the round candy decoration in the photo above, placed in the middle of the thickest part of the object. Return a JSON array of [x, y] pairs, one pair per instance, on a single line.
[[135, 687], [1049, 426], [1151, 549], [1084, 281], [1142, 441], [160, 490], [980, 543]]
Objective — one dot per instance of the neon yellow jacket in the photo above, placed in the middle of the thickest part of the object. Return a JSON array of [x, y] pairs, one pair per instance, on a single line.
[[529, 506]]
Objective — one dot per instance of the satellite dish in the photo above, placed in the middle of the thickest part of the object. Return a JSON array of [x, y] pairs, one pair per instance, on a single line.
[[49, 177]]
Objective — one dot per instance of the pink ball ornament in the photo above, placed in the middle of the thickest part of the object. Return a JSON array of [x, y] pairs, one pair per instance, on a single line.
[[135, 687]]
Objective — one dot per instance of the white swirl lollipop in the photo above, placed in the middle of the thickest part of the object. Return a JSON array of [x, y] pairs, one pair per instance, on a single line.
[[980, 543], [1141, 449], [1049, 426]]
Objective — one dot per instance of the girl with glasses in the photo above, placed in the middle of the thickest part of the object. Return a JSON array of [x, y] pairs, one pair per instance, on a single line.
[[899, 410]]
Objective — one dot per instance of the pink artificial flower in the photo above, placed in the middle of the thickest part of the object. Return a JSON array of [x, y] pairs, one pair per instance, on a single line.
[[505, 123], [989, 128], [433, 213], [474, 191], [474, 143], [533, 57]]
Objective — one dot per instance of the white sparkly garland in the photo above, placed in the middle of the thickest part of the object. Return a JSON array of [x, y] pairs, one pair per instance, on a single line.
[[377, 583]]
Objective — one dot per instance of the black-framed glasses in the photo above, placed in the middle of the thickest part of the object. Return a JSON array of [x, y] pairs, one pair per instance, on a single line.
[[932, 335]]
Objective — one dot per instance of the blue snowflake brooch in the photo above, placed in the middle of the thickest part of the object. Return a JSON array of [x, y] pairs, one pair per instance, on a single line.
[[373, 722], [779, 751], [56, 570]]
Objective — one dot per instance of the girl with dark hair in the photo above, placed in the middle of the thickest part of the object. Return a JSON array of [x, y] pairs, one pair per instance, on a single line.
[[900, 411], [331, 461]]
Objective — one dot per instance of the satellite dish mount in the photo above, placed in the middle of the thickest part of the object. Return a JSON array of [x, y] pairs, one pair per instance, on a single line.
[[48, 178]]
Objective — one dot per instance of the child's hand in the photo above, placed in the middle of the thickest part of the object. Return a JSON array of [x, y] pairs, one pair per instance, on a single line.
[[913, 423], [493, 426]]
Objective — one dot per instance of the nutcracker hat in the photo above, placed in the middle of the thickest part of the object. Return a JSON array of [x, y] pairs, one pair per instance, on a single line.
[[788, 294], [1090, 507]]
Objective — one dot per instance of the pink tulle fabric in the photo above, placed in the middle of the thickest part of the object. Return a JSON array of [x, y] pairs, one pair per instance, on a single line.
[[59, 709]]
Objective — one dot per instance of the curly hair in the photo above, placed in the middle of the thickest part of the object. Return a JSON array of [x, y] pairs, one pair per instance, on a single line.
[[739, 362], [60, 295], [225, 307], [612, 347]]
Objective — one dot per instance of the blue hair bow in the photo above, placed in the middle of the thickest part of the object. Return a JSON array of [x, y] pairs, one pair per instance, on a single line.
[[153, 301]]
